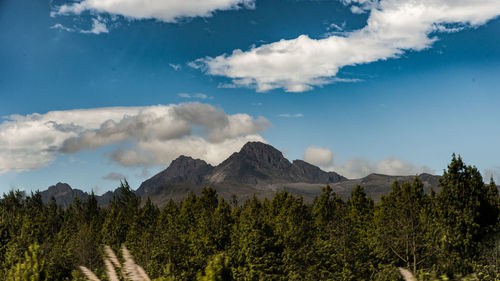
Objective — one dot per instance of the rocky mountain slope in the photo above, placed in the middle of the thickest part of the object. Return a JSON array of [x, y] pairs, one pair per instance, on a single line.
[[257, 169]]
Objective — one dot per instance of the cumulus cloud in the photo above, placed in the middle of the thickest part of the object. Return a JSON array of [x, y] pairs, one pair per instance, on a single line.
[[163, 152], [393, 27], [318, 156], [361, 167], [140, 136], [113, 176], [163, 10]]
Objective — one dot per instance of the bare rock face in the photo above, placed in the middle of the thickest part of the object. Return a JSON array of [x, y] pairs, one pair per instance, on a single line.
[[256, 163], [305, 172], [184, 169], [63, 194], [261, 164]]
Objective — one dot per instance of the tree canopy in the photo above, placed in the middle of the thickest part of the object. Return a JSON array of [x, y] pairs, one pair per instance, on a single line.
[[452, 231]]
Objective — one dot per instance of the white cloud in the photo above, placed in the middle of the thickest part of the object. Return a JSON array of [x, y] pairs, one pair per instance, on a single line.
[[336, 27], [318, 156], [163, 10], [361, 167], [140, 135], [200, 96], [176, 67], [98, 27], [360, 6], [393, 27], [357, 10], [113, 176], [163, 152], [62, 27], [223, 85], [288, 115]]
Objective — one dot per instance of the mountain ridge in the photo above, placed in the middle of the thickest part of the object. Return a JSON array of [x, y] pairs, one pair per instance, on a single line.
[[257, 169]]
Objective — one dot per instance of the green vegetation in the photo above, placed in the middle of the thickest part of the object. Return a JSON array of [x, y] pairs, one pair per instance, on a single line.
[[450, 235]]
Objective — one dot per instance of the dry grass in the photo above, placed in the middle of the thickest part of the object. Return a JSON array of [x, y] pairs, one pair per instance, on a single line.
[[129, 270], [407, 274]]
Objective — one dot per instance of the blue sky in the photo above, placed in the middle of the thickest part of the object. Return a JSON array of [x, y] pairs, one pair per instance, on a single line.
[[354, 86]]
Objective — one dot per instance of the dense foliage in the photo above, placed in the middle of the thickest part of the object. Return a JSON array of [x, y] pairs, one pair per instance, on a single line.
[[452, 232]]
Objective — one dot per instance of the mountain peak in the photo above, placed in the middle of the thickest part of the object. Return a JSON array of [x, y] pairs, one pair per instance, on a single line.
[[183, 161], [184, 169], [252, 146], [262, 155], [59, 187], [254, 164], [63, 193]]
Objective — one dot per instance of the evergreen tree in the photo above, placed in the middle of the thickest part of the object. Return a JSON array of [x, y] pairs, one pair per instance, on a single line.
[[218, 269], [358, 253], [32, 268], [401, 226], [123, 209], [464, 214]]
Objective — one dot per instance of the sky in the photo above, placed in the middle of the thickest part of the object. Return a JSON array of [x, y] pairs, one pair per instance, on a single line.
[[94, 91]]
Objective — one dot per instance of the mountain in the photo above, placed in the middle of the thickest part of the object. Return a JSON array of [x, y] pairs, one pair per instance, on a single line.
[[183, 170], [257, 169], [260, 165], [63, 193], [256, 164], [261, 169], [312, 174], [376, 184]]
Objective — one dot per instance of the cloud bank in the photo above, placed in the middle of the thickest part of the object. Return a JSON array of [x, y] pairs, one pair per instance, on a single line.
[[163, 10], [361, 167], [318, 156], [139, 136], [393, 27]]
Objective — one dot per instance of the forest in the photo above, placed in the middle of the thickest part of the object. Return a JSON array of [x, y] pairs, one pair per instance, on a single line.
[[452, 233]]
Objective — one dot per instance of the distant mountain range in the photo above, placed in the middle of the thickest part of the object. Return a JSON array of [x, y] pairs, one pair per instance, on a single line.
[[257, 168]]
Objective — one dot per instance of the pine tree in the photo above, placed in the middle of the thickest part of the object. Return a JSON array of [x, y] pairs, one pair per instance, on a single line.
[[123, 208], [358, 255], [32, 268], [401, 226], [218, 269], [464, 214]]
